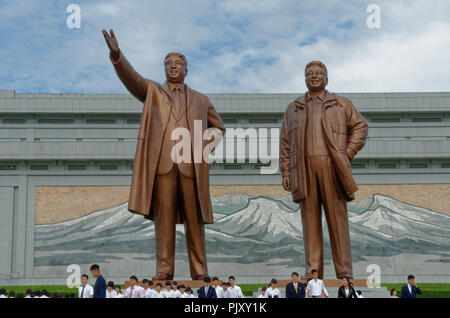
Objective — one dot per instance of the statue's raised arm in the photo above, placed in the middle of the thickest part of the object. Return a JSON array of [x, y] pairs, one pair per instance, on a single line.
[[167, 187], [133, 81]]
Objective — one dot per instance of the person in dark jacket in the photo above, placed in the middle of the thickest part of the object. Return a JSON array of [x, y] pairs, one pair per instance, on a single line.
[[411, 290], [207, 291], [296, 288], [347, 290], [100, 283]]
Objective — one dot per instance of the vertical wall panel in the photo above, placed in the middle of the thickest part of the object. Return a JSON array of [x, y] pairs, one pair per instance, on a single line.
[[6, 228]]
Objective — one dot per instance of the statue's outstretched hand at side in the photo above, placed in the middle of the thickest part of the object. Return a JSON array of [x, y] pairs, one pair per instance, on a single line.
[[112, 43], [286, 183]]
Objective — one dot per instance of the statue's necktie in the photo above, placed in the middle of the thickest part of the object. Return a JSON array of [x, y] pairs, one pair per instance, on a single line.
[[177, 102]]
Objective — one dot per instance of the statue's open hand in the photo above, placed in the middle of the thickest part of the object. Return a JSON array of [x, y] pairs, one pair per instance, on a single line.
[[286, 184], [112, 43]]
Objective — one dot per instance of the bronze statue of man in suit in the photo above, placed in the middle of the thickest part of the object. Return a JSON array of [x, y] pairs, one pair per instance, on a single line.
[[320, 135], [162, 190]]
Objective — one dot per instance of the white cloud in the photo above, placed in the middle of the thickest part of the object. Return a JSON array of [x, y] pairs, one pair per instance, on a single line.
[[227, 43]]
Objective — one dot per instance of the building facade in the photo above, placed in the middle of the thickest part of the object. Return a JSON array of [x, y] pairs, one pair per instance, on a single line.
[[66, 163]]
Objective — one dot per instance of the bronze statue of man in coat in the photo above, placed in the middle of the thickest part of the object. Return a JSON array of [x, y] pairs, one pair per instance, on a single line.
[[320, 135], [162, 190]]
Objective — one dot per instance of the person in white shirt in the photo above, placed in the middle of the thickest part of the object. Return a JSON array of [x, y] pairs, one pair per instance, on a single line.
[[150, 291], [3, 293], [393, 293], [176, 291], [182, 291], [272, 291], [85, 290], [216, 285], [45, 294], [152, 288], [225, 286], [158, 292], [146, 286], [168, 292], [117, 292], [188, 293], [110, 290], [134, 291], [234, 291], [316, 287], [29, 293], [172, 294], [263, 293]]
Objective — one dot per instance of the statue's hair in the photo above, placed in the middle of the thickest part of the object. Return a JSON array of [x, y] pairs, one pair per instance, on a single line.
[[317, 63], [181, 56]]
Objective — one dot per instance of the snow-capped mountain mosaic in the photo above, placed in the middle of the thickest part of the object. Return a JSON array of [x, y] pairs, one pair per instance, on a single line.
[[249, 230]]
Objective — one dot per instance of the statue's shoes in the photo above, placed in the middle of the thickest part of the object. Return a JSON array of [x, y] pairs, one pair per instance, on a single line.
[[345, 275]]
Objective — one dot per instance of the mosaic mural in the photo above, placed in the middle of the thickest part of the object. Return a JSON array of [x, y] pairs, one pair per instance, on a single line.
[[258, 230]]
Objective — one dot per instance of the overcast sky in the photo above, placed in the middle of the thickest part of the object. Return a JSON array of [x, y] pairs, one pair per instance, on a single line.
[[242, 46]]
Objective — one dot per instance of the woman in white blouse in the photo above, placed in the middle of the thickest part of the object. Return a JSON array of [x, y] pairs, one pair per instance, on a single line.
[[117, 293], [272, 291], [393, 293]]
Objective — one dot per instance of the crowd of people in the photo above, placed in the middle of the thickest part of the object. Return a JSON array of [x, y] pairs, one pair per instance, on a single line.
[[213, 288], [315, 288], [311, 287]]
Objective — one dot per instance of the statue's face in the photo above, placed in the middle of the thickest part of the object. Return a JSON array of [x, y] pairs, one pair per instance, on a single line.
[[175, 69], [316, 78]]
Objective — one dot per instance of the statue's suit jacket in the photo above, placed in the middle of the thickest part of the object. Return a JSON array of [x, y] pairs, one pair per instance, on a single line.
[[345, 130], [155, 115]]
